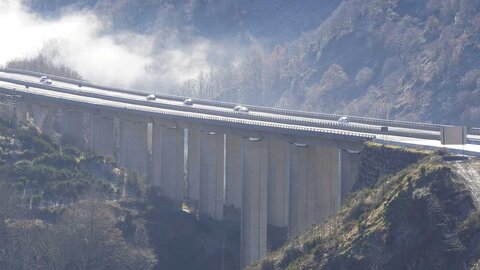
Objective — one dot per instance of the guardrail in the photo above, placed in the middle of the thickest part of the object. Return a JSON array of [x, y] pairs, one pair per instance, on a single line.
[[231, 114], [474, 131], [312, 115]]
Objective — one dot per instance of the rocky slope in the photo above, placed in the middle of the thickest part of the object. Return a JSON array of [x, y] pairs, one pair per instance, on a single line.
[[424, 217]]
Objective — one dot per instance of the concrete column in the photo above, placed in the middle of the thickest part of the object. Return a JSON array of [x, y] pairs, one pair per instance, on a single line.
[[211, 175], [21, 110], [278, 183], [133, 145], [193, 164], [233, 171], [329, 182], [102, 135], [43, 117], [72, 127], [254, 201], [6, 108], [168, 160], [298, 189], [315, 186], [350, 165]]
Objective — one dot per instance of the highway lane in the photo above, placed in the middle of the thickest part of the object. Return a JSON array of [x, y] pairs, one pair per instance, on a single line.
[[470, 149], [141, 97], [277, 111]]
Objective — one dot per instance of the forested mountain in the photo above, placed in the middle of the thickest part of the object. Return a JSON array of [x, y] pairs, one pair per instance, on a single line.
[[415, 60]]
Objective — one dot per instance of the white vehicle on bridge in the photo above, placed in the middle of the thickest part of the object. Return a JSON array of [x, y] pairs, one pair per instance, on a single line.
[[43, 79], [344, 120], [151, 97], [48, 82], [241, 109], [188, 102]]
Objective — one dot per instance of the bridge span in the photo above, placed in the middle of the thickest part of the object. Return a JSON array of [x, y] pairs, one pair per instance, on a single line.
[[282, 168]]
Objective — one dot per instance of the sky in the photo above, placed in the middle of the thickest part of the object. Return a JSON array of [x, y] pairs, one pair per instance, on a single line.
[[79, 40]]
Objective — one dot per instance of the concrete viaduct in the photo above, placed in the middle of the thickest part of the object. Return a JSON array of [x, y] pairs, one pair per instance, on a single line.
[[276, 168]]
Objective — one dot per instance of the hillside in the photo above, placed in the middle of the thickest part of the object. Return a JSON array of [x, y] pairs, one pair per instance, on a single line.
[[413, 60], [63, 208], [270, 22], [410, 60], [424, 217]]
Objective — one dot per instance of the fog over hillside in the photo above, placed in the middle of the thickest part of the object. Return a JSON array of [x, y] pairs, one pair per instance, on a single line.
[[411, 60], [80, 40]]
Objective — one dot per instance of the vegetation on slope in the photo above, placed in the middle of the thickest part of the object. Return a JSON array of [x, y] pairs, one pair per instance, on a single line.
[[420, 218], [63, 208]]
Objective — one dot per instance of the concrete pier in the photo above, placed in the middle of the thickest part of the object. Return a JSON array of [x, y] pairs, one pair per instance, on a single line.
[[133, 145], [21, 110], [350, 165], [315, 187], [254, 201], [168, 160], [212, 175], [233, 171], [193, 164], [102, 135], [327, 164], [43, 117], [278, 183], [72, 128]]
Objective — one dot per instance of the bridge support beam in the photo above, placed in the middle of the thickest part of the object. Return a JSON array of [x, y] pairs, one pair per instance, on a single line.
[[72, 127], [133, 145], [233, 171], [315, 187], [168, 160], [211, 175], [254, 201], [350, 165], [102, 135]]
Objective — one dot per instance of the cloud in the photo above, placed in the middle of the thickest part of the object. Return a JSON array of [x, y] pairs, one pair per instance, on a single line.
[[79, 40]]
